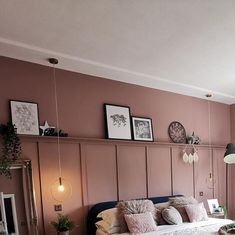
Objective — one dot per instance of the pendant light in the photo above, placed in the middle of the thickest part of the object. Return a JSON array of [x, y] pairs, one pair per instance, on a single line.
[[61, 188], [210, 180], [229, 156]]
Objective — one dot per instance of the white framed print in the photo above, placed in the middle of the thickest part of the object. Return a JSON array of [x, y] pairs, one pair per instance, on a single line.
[[142, 128], [213, 205], [24, 116], [117, 122]]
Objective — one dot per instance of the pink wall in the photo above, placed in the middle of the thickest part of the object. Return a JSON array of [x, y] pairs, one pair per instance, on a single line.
[[81, 99], [232, 170]]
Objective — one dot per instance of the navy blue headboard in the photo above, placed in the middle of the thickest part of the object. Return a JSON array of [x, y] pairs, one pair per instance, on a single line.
[[97, 208]]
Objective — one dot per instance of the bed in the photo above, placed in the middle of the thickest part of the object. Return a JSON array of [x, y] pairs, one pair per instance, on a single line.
[[210, 226]]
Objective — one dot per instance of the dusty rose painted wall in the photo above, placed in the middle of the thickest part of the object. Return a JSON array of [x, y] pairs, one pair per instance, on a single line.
[[81, 99], [232, 167]]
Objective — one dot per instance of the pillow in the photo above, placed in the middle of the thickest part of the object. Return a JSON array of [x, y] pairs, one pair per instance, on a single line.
[[196, 212], [110, 216], [2, 227], [159, 207], [133, 207], [140, 223], [172, 216], [105, 227], [180, 202]]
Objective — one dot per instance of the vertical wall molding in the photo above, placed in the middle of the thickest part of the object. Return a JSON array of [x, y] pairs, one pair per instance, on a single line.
[[147, 175], [151, 154], [116, 158]]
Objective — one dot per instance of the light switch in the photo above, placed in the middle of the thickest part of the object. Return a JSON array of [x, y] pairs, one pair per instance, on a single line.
[[58, 207]]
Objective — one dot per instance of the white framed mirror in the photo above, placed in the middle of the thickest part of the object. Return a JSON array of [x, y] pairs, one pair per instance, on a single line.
[[17, 201]]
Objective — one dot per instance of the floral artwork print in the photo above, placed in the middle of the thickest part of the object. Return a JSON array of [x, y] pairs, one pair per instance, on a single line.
[[118, 122], [25, 117]]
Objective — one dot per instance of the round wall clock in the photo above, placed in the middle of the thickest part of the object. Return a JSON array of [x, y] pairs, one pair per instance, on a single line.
[[177, 132]]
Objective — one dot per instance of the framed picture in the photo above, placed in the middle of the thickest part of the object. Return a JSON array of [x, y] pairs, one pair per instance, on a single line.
[[213, 205], [118, 121], [142, 128], [24, 116]]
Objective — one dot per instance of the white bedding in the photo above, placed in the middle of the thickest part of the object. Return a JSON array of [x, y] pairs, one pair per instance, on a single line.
[[210, 226]]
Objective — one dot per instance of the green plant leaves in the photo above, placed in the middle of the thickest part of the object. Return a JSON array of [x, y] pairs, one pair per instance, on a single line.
[[11, 148]]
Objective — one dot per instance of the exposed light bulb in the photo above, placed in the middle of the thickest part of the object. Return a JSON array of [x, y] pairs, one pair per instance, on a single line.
[[61, 188]]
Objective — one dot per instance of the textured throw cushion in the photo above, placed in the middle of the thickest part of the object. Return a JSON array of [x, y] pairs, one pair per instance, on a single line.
[[180, 202], [133, 207], [172, 216], [2, 228], [227, 229], [110, 216], [106, 227], [159, 207], [196, 212], [140, 223]]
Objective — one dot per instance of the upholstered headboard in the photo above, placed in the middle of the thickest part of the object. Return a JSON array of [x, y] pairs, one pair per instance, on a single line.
[[97, 208]]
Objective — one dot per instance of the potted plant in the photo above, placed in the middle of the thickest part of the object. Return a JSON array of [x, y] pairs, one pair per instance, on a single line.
[[63, 224], [11, 148]]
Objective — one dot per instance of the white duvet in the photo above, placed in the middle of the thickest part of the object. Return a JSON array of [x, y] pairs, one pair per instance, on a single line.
[[210, 226]]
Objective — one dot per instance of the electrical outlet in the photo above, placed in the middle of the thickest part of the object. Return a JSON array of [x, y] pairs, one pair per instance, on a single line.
[[200, 194], [58, 207]]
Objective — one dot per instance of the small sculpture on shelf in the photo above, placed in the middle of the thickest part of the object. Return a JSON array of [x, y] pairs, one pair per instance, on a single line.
[[193, 139], [47, 130]]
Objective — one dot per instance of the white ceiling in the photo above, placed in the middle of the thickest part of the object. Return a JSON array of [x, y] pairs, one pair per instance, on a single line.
[[184, 46]]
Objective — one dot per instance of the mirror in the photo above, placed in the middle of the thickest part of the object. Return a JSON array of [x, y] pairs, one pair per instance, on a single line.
[[18, 214]]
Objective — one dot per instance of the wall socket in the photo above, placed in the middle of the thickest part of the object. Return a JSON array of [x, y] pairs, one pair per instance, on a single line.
[[58, 207]]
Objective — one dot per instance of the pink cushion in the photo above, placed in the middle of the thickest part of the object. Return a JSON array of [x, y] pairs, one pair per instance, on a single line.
[[140, 223], [196, 212]]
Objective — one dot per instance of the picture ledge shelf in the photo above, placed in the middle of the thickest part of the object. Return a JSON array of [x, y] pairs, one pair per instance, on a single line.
[[111, 141]]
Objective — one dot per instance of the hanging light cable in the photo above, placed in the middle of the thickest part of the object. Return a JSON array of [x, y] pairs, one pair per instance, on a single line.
[[61, 184], [211, 179]]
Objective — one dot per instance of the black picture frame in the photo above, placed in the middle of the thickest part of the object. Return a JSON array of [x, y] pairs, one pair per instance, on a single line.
[[142, 128], [25, 117], [118, 122]]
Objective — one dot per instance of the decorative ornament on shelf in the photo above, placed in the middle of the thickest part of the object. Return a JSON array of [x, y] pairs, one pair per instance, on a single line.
[[47, 130], [11, 149], [193, 139], [192, 156], [177, 132]]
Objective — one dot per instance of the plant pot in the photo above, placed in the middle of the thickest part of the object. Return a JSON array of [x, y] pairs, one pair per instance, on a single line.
[[63, 233]]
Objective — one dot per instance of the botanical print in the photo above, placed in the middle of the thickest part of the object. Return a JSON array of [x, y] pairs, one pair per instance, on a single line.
[[25, 117], [119, 120]]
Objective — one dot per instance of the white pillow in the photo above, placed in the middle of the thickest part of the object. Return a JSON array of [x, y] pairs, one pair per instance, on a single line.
[[110, 216], [105, 227]]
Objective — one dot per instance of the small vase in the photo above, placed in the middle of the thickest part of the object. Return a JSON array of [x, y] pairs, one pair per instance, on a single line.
[[63, 233]]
